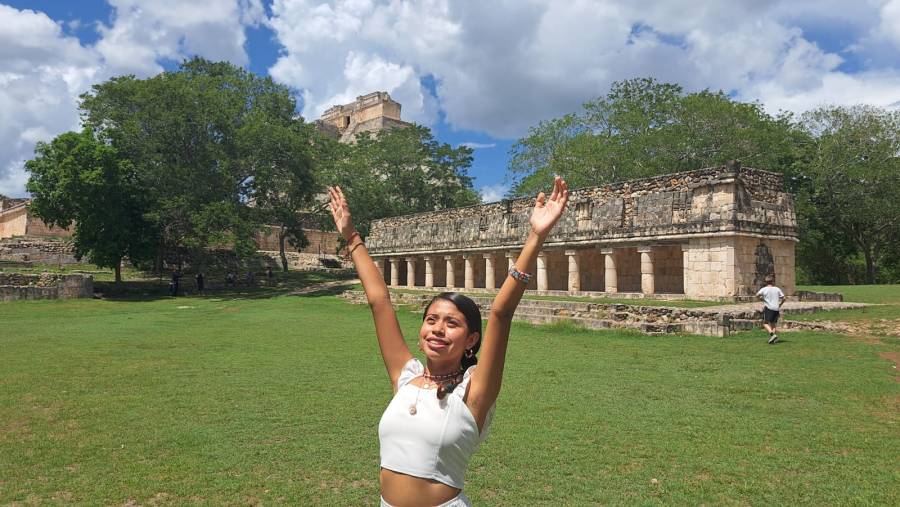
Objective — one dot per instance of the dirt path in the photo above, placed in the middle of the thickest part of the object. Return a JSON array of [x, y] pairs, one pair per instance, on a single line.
[[318, 287]]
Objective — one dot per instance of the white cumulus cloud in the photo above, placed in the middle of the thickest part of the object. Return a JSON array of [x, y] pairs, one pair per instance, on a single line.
[[500, 67], [43, 70], [493, 193]]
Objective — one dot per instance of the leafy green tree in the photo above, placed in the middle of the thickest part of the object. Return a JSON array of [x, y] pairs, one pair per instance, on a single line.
[[854, 172], [399, 171], [77, 178], [643, 128], [283, 184], [190, 135]]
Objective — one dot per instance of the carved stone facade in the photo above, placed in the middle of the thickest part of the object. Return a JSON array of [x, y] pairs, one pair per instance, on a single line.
[[707, 234]]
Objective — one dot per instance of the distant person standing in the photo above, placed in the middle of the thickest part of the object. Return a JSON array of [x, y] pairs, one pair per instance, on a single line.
[[173, 285], [200, 283], [772, 298]]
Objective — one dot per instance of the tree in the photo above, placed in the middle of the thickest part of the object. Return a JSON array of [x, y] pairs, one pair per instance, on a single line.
[[643, 128], [854, 170], [186, 133], [283, 183], [396, 172], [77, 178]]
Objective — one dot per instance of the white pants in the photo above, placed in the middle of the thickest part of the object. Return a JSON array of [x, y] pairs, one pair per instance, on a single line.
[[461, 500]]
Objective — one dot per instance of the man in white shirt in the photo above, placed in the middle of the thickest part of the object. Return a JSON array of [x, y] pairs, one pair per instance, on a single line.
[[773, 299]]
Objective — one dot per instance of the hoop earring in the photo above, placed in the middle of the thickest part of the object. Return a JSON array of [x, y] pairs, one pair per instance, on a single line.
[[470, 353]]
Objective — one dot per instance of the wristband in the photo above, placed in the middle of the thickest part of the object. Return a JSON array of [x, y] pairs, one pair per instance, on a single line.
[[520, 275]]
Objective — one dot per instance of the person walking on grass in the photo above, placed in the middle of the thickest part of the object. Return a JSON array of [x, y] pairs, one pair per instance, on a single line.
[[441, 411], [772, 298]]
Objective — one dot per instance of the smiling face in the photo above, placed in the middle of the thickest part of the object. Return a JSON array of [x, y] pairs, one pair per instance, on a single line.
[[445, 336]]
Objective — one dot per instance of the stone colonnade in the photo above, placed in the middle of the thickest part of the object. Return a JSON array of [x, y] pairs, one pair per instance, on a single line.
[[654, 269]]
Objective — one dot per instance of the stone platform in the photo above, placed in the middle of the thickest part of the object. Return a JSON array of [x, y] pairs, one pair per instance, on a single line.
[[720, 320]]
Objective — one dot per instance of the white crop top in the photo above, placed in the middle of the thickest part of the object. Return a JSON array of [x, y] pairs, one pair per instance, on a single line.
[[437, 441]]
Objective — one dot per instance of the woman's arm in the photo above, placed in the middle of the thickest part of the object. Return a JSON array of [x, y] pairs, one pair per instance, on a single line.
[[393, 349], [485, 384]]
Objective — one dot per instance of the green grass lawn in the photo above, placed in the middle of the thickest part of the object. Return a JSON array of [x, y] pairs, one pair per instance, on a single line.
[[253, 399], [887, 297]]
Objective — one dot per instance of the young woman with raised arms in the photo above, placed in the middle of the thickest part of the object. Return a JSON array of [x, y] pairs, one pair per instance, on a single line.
[[441, 411]]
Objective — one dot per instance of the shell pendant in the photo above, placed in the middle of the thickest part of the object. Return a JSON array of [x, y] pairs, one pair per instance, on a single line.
[[412, 410]]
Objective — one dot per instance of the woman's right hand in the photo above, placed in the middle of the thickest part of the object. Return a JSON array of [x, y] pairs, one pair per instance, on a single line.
[[341, 213]]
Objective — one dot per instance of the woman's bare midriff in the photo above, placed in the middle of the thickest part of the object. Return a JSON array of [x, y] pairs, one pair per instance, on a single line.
[[403, 490]]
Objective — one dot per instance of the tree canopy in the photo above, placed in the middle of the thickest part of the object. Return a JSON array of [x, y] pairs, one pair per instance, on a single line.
[[643, 128], [77, 178], [399, 171]]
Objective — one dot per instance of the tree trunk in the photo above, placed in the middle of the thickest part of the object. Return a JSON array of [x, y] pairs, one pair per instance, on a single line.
[[281, 238], [119, 273], [870, 266]]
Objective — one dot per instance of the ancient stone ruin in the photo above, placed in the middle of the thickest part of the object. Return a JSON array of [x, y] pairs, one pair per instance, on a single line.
[[14, 286], [710, 234], [373, 112]]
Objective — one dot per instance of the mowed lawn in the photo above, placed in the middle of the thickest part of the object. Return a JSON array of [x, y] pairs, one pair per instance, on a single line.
[[277, 400]]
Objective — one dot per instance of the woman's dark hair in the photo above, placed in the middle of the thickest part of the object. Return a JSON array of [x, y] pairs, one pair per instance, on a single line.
[[472, 314]]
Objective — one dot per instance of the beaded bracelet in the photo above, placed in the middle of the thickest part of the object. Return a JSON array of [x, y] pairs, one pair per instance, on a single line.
[[361, 243], [520, 275]]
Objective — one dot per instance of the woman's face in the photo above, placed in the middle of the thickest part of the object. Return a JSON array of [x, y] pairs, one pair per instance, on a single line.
[[444, 335]]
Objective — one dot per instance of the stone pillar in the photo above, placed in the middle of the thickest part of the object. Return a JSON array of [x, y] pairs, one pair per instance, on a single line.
[[429, 272], [685, 267], [395, 272], [647, 282], [410, 272], [511, 257], [542, 271], [470, 272], [379, 263], [451, 274], [574, 271], [611, 276], [489, 281]]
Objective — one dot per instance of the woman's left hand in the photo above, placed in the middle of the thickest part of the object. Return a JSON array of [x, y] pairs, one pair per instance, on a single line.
[[547, 211]]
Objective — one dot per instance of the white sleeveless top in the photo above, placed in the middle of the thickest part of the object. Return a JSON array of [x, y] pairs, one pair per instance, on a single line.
[[437, 441]]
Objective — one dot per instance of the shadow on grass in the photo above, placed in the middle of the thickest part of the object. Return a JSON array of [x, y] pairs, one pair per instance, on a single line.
[[280, 285]]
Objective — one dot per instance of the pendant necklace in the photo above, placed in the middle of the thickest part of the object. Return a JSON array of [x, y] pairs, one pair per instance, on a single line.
[[429, 380]]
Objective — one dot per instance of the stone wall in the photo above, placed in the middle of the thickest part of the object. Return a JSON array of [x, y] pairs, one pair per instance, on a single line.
[[757, 257], [324, 242], [17, 221], [703, 202], [13, 221], [37, 250], [15, 286]]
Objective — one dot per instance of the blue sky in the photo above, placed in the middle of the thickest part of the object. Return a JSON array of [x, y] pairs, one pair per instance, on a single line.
[[476, 72]]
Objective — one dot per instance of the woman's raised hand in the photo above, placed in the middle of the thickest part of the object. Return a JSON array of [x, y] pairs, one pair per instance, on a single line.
[[547, 211], [341, 212]]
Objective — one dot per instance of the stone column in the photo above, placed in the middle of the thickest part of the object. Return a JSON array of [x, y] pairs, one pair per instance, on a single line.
[[611, 276], [410, 272], [395, 272], [647, 282], [511, 257], [379, 263], [451, 274], [542, 271], [470, 271], [685, 267], [429, 272], [574, 271], [489, 281]]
